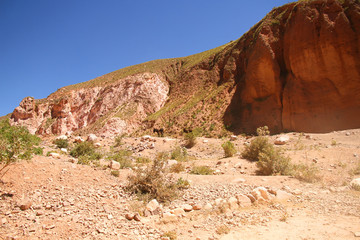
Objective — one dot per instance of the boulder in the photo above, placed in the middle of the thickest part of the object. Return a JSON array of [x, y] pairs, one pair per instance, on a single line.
[[243, 200], [92, 137], [55, 155]]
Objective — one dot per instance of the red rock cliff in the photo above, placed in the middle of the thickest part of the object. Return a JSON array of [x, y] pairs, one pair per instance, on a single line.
[[299, 70]]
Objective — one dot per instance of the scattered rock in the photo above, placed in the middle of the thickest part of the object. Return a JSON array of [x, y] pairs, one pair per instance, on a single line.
[[92, 137], [64, 150], [187, 207], [137, 217], [129, 216], [114, 165], [25, 204], [62, 137], [233, 138], [243, 200], [55, 155], [282, 196], [281, 140], [78, 139], [178, 212], [152, 206], [169, 217], [355, 184], [198, 207], [233, 203]]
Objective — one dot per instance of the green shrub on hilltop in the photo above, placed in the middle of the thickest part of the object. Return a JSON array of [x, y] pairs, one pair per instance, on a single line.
[[16, 143]]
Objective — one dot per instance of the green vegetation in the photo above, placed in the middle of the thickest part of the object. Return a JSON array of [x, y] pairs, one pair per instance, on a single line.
[[115, 173], [15, 143], [122, 157], [202, 170], [190, 139], [258, 145], [153, 182], [61, 143], [179, 154], [222, 229], [85, 152], [273, 162], [229, 149]]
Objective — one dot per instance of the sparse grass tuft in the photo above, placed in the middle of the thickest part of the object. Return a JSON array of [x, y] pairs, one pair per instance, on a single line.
[[229, 149], [307, 173], [85, 152], [177, 168], [202, 170], [273, 162]]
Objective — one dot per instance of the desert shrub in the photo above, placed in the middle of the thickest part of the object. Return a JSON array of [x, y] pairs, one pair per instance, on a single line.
[[190, 140], [182, 183], [202, 170], [142, 160], [177, 168], [170, 235], [86, 150], [259, 144], [15, 143], [38, 151], [84, 160], [229, 149], [153, 181], [273, 162], [123, 157], [61, 143], [179, 154], [307, 173], [119, 140]]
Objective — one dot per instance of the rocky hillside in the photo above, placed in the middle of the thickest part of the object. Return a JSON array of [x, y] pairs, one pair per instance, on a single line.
[[296, 70]]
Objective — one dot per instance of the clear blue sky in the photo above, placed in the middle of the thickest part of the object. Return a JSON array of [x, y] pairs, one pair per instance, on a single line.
[[48, 44]]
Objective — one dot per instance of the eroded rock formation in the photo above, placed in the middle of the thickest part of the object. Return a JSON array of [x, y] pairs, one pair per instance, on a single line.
[[120, 104]]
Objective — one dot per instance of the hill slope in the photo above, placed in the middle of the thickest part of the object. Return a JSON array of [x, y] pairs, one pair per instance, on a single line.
[[296, 70]]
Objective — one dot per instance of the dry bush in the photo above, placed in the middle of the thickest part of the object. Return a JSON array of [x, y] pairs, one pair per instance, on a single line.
[[177, 168], [171, 235], [306, 173], [123, 157], [153, 181], [273, 162], [61, 143], [190, 140]]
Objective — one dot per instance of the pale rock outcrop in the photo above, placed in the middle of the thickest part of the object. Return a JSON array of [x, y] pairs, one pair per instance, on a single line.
[[125, 103]]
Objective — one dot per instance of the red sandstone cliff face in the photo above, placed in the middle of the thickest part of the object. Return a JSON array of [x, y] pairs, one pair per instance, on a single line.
[[296, 70], [302, 73]]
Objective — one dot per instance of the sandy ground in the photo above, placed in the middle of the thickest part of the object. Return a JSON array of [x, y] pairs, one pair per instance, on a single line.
[[72, 201]]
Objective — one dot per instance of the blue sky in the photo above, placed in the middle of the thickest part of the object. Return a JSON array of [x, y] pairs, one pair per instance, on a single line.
[[49, 44]]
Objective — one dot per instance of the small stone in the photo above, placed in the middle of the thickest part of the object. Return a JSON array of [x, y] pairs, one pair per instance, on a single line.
[[78, 139], [3, 221], [114, 165], [281, 140], [152, 205], [197, 207], [62, 137], [169, 217], [208, 206], [357, 234], [97, 145], [243, 200], [64, 150], [239, 180], [251, 197], [92, 137], [187, 207], [233, 138], [282, 196], [137, 217], [54, 155], [129, 216], [178, 212], [233, 203], [25, 204]]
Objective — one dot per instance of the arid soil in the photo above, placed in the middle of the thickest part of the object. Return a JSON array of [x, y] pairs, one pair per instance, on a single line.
[[65, 200]]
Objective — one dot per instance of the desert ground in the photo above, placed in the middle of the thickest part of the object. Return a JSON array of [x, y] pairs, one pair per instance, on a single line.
[[54, 197]]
